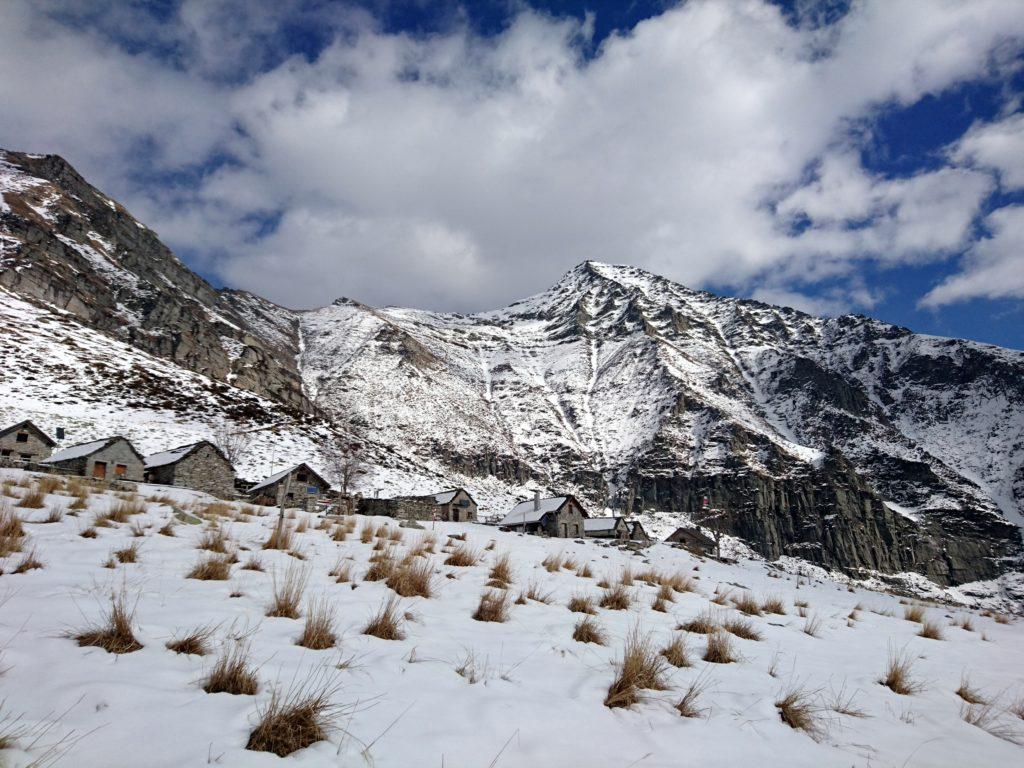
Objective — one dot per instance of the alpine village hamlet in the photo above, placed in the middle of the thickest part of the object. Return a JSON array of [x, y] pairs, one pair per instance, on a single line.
[[204, 466]]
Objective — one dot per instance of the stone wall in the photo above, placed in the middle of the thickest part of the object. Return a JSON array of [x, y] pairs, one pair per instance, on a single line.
[[399, 508], [34, 447], [569, 519], [118, 452], [204, 469]]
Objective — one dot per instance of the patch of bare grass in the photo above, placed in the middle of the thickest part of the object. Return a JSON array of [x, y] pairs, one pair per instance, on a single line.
[[387, 622], [899, 674], [193, 642], [676, 652], [582, 603], [129, 554], [719, 649], [463, 556], [114, 632], [493, 606], [641, 668], [616, 598], [232, 672], [213, 567], [295, 719], [318, 632], [800, 710], [413, 578], [588, 631], [288, 592]]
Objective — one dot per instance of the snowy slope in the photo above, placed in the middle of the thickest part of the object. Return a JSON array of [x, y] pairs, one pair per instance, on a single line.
[[527, 694]]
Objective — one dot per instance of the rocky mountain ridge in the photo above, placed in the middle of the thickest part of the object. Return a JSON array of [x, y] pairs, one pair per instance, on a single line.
[[846, 442]]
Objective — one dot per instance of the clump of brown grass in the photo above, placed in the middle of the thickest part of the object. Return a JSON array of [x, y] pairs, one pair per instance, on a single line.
[[799, 710], [812, 626], [366, 532], [137, 529], [493, 606], [32, 500], [914, 613], [581, 603], [49, 484], [318, 632], [675, 652], [773, 604], [167, 529], [55, 514], [584, 571], [747, 603], [991, 719], [12, 531], [588, 631], [282, 537], [129, 554], [969, 693], [659, 605], [534, 592], [194, 642], [120, 512], [340, 533], [386, 623], [232, 672], [742, 628], [342, 571], [931, 629], [964, 622], [287, 593], [501, 570], [628, 578], [254, 563], [214, 540], [898, 671], [382, 565], [666, 594], [303, 525], [28, 562], [719, 649], [679, 582], [89, 533], [721, 596], [687, 706], [211, 568], [413, 578], [463, 556], [616, 598], [294, 720], [704, 623], [114, 632], [642, 668]]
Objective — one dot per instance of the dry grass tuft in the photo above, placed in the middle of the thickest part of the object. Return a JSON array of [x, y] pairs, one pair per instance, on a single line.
[[55, 514], [215, 540], [581, 603], [32, 500], [288, 592], [679, 582], [964, 622], [366, 532], [318, 632], [382, 565], [294, 720], [167, 529], [719, 649], [49, 484], [914, 613], [463, 556], [931, 629], [642, 668], [196, 642], [675, 652], [799, 710], [747, 603], [666, 593], [898, 674], [493, 606], [282, 538], [659, 605], [232, 672], [12, 531], [773, 604], [812, 626], [616, 598], [386, 623], [534, 592], [991, 719], [89, 533], [254, 563], [704, 623], [969, 693], [129, 554], [120, 512], [211, 568], [628, 578], [501, 571], [588, 631], [584, 572], [342, 571], [114, 632], [742, 628], [413, 578], [28, 562], [687, 706], [303, 525]]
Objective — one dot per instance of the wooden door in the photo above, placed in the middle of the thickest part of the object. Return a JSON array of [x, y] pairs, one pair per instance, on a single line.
[[99, 470], [120, 469]]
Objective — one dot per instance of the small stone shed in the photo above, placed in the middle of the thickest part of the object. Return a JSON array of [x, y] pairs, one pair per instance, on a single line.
[[25, 441], [606, 528], [301, 485], [693, 540], [201, 466], [111, 458], [455, 505], [558, 516], [637, 532]]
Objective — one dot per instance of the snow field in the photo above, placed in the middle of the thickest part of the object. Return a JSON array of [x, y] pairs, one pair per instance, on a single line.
[[538, 695]]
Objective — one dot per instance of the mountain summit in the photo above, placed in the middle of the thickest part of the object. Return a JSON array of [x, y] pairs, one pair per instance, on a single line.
[[846, 441]]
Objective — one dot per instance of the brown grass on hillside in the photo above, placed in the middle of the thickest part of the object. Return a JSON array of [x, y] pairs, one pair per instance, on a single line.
[[211, 568], [914, 613], [232, 672], [194, 642], [288, 592], [501, 570], [340, 533], [32, 500], [898, 671], [413, 578], [129, 554], [742, 628], [687, 706], [254, 563], [214, 540], [303, 525], [812, 626], [168, 528], [991, 719], [931, 629], [493, 606], [295, 719], [463, 556], [28, 562], [719, 649], [114, 632], [88, 533], [584, 571], [49, 484], [969, 693], [534, 592], [120, 512], [747, 603], [582, 603], [386, 623], [964, 622], [342, 571], [642, 668], [773, 604], [799, 710], [588, 631], [55, 514], [282, 538], [659, 605], [628, 578], [318, 632], [666, 593], [616, 598], [679, 582], [12, 531], [382, 565], [704, 623], [366, 532], [675, 652]]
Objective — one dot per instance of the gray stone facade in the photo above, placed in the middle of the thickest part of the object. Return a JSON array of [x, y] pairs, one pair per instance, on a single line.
[[25, 442], [455, 505], [200, 466], [298, 486], [112, 459], [566, 522]]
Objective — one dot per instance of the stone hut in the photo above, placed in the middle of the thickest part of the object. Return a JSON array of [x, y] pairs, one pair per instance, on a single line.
[[455, 505], [693, 540], [111, 458], [201, 466], [606, 528], [559, 517], [637, 532], [301, 485], [25, 442]]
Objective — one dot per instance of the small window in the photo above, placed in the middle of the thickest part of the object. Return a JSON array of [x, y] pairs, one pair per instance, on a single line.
[[26, 456], [5, 452], [301, 477], [22, 437]]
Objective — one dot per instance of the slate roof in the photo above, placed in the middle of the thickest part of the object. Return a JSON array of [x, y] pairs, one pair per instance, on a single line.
[[524, 511], [78, 451]]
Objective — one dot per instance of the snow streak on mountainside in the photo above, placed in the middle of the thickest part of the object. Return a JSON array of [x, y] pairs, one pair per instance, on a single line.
[[846, 442]]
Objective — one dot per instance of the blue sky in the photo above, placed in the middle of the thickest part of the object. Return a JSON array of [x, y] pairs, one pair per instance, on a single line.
[[838, 157]]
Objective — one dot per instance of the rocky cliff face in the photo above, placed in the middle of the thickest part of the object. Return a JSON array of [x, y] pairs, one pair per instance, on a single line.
[[846, 442], [65, 244]]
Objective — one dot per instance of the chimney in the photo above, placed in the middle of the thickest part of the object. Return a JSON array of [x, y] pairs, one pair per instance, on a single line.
[[536, 501], [60, 433]]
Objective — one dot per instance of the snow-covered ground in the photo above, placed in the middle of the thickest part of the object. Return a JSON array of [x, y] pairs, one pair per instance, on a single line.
[[535, 696]]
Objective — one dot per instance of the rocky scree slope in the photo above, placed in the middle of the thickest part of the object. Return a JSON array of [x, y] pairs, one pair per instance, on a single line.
[[846, 442]]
